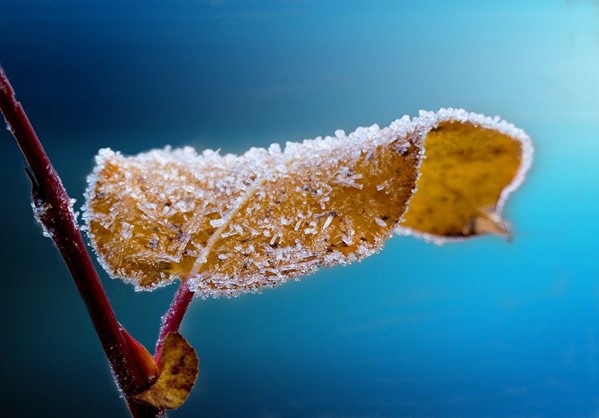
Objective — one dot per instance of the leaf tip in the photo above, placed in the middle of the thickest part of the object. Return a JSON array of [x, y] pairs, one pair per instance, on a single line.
[[488, 222]]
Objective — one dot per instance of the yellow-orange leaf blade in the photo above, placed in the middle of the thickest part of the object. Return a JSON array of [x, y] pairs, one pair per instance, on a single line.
[[230, 224], [463, 179]]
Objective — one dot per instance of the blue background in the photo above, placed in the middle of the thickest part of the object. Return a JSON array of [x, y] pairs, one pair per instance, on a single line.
[[484, 328]]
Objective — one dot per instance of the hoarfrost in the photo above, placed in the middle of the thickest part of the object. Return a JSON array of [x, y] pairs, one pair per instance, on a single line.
[[126, 230], [382, 186], [217, 223], [39, 211], [380, 222], [327, 222]]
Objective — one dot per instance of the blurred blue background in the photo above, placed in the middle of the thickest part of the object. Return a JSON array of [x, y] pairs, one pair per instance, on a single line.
[[484, 328]]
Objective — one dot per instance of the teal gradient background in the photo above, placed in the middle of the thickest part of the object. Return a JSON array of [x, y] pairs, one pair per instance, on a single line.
[[484, 328]]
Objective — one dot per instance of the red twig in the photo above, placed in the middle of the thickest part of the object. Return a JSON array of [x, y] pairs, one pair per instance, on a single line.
[[54, 211], [173, 317]]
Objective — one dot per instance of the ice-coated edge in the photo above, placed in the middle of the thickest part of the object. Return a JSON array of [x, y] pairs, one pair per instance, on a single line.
[[105, 154], [92, 178], [428, 120]]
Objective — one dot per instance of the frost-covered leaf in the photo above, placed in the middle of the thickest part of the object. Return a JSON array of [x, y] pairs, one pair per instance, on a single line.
[[178, 373], [230, 224]]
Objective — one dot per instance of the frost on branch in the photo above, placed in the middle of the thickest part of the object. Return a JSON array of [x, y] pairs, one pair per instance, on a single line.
[[231, 224]]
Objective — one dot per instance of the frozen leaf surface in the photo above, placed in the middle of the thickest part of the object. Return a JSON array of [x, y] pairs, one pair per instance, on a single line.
[[231, 224], [178, 374]]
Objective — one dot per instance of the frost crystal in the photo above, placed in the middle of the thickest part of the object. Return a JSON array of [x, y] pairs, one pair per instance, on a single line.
[[39, 210]]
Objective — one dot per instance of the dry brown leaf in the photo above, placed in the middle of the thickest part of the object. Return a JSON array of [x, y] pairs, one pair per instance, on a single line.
[[231, 224], [179, 371]]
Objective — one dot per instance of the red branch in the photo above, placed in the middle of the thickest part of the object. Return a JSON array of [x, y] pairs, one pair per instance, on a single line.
[[173, 317], [54, 211]]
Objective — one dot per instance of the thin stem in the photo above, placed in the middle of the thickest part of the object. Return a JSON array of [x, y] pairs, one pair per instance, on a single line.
[[173, 317], [54, 211]]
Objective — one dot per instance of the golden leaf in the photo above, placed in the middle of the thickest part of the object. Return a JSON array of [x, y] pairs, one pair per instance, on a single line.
[[178, 373], [464, 181], [231, 224]]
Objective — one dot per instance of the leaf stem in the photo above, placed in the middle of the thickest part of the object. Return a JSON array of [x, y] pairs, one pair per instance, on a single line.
[[172, 319], [53, 207]]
